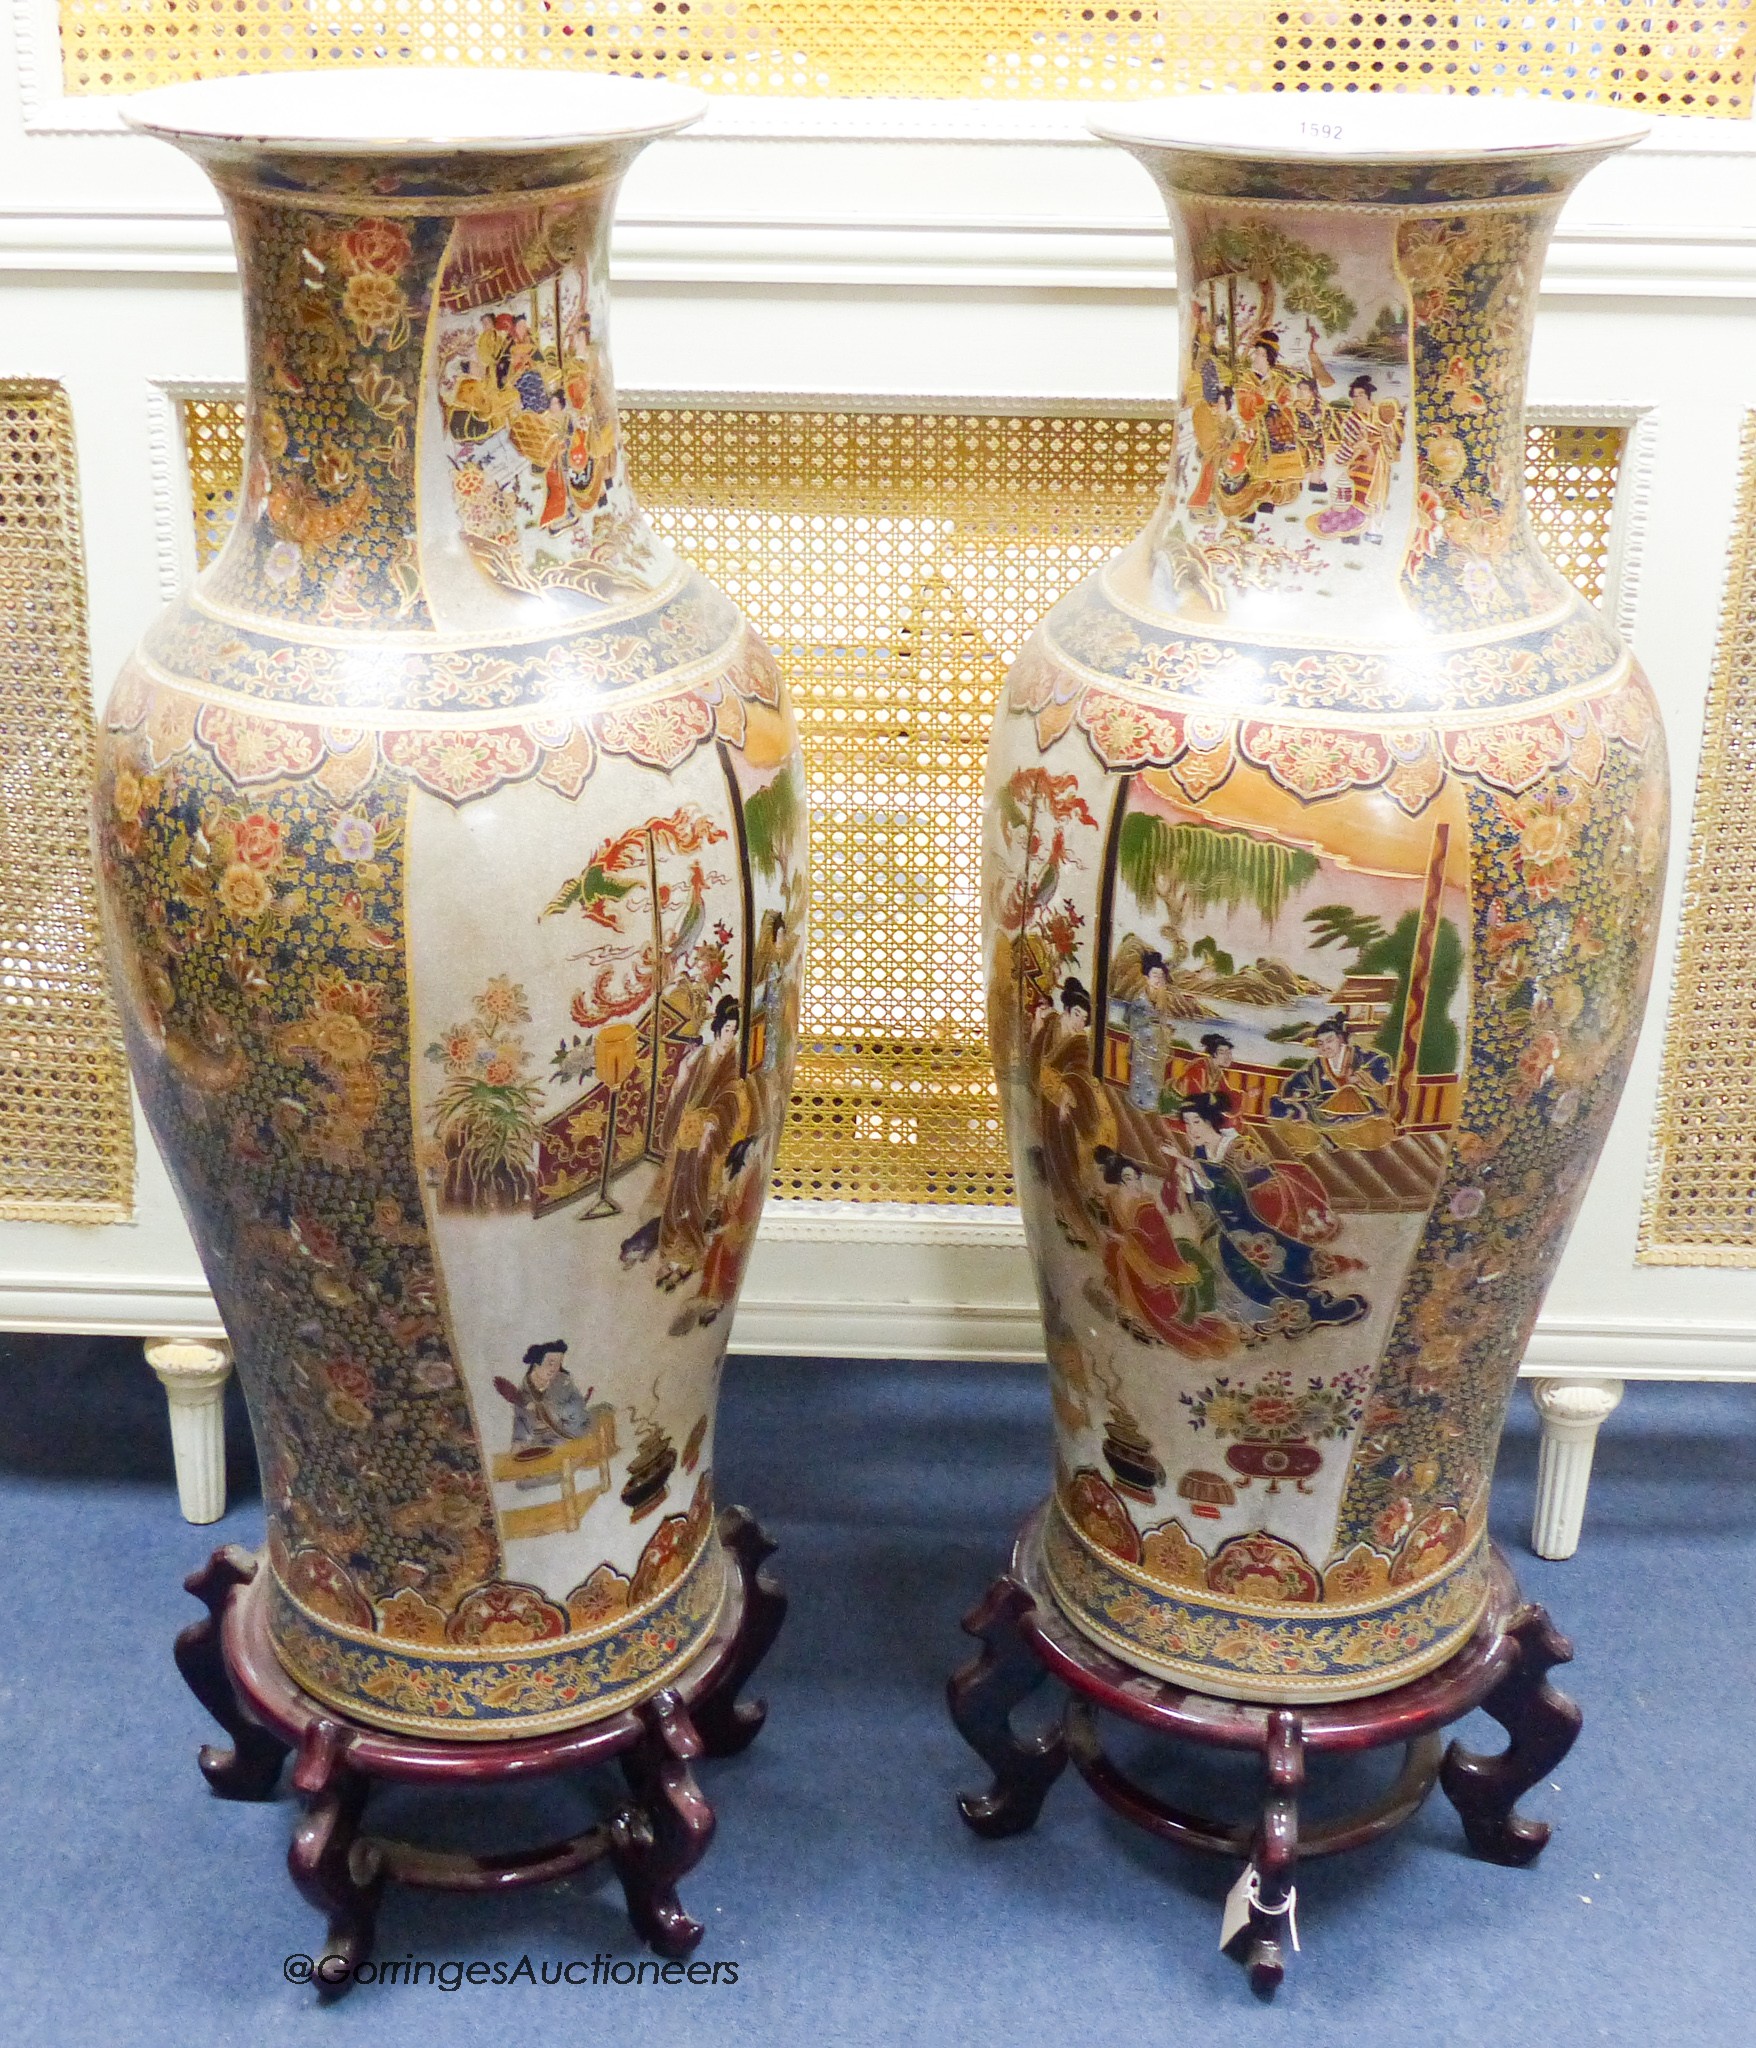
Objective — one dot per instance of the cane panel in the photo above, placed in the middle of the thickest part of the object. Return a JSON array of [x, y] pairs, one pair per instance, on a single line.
[[1701, 1186], [66, 1123], [1694, 59], [896, 561]]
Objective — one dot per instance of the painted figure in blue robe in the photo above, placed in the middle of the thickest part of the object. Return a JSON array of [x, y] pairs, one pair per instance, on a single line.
[[1151, 1032], [1342, 1096], [1275, 1275]]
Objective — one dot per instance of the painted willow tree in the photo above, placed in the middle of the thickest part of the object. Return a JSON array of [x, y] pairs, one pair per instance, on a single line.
[[1184, 869]]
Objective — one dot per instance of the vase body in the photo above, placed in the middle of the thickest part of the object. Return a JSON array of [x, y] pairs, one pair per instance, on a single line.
[[452, 844], [1326, 832]]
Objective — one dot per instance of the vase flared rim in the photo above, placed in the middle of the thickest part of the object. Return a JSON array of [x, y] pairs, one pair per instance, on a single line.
[[1370, 128], [414, 110]]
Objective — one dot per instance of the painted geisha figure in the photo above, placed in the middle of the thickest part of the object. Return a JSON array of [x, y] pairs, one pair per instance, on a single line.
[[1272, 1275], [1210, 1071], [548, 1408], [1342, 1096], [1366, 438], [1162, 1283], [777, 996], [710, 1108], [743, 1181], [592, 447], [1267, 466], [1143, 1005], [1072, 1107]]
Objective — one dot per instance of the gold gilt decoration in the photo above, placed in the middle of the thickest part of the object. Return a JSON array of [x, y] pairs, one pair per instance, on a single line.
[[1701, 1184], [895, 561], [1689, 60], [66, 1127]]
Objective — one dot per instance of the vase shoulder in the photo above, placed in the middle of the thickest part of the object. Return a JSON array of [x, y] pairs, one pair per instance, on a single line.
[[1099, 634], [687, 631]]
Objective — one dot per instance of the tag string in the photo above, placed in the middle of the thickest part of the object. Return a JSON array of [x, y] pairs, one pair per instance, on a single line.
[[1288, 1905]]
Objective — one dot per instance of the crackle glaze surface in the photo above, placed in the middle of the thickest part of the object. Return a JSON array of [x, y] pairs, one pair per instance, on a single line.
[[1326, 834], [452, 838]]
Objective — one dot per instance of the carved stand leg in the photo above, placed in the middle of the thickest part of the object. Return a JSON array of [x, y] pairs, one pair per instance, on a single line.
[[1541, 1724], [335, 1871], [1275, 1853], [982, 1697], [664, 1832], [725, 1723], [251, 1768], [1572, 1411]]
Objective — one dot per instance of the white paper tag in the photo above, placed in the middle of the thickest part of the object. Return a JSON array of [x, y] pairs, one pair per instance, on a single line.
[[1239, 1899], [1246, 1893]]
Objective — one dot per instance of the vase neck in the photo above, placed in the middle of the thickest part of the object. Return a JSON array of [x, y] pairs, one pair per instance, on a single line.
[[431, 439], [1349, 461]]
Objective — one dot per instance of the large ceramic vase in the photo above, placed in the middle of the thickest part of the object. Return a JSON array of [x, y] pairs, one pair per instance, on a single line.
[[453, 852], [1326, 829]]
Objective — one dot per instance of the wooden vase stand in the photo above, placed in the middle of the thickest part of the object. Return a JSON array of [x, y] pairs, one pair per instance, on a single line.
[[1503, 1668], [658, 1833]]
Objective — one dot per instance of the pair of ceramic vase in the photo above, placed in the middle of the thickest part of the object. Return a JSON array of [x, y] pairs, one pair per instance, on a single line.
[[453, 847]]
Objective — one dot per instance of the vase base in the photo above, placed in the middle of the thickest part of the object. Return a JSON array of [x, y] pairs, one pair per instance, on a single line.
[[657, 1834], [1502, 1668], [1299, 1653]]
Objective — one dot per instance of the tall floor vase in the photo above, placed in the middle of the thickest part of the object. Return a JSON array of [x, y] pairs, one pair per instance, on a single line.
[[1326, 833], [453, 854]]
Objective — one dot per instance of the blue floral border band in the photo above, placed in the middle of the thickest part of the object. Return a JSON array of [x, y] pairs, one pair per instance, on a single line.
[[493, 1695], [1274, 1655]]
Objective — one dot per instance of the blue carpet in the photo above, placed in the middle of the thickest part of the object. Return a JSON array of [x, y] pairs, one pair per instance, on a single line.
[[138, 1910]]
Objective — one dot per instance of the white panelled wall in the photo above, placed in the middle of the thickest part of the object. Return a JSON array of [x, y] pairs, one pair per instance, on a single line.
[[919, 250]]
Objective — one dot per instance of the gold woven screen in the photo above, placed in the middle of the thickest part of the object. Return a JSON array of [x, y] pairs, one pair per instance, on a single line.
[[896, 561], [66, 1124], [1701, 1185], [1694, 59]]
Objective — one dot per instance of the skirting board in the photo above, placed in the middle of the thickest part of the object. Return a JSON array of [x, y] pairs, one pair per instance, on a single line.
[[828, 1325]]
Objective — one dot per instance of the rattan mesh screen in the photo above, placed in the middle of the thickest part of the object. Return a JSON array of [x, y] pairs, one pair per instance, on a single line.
[[66, 1125], [896, 561], [1691, 60], [1701, 1188]]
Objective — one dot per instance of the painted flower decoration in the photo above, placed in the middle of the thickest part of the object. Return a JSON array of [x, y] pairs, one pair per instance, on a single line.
[[338, 1037], [333, 468], [1464, 1204], [435, 1374], [1537, 1061], [244, 891], [375, 248], [258, 840], [381, 394], [353, 836], [282, 563], [348, 1377], [126, 796], [502, 1002], [1446, 456], [460, 1046], [377, 309]]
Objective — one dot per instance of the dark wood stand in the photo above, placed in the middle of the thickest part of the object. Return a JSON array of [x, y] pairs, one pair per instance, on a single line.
[[1503, 1668], [656, 1836]]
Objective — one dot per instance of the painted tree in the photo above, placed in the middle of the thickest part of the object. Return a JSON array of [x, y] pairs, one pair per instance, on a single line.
[[1303, 278], [771, 823], [649, 885], [1184, 869], [1035, 810], [1374, 950]]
